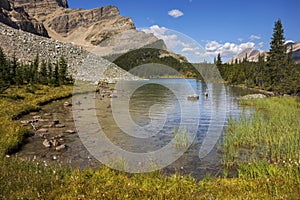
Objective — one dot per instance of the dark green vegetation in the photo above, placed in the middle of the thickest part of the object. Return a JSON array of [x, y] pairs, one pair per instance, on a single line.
[[15, 73], [277, 72], [146, 56]]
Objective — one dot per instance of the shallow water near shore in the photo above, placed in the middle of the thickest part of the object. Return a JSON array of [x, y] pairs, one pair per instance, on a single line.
[[76, 155]]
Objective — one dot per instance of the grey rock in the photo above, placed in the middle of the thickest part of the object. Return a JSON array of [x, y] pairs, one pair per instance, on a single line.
[[70, 131], [252, 96]]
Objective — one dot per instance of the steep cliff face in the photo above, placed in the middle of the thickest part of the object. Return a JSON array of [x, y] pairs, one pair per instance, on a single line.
[[87, 28], [40, 8], [17, 17], [54, 18]]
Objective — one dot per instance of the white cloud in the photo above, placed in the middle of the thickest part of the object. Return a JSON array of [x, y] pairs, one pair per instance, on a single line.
[[227, 49], [169, 37], [175, 13], [212, 46], [156, 30], [189, 49], [254, 37], [177, 42], [240, 39]]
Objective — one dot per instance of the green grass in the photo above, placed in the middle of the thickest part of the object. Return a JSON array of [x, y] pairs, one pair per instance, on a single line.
[[181, 138], [272, 134], [261, 175], [18, 101]]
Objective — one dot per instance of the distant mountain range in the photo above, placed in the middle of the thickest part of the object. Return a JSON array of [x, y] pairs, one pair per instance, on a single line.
[[252, 54]]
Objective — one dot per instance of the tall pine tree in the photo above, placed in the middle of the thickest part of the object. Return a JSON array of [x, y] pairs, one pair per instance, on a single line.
[[276, 60]]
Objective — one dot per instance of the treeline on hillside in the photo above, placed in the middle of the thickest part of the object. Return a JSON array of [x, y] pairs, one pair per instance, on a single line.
[[145, 56], [36, 72], [277, 72]]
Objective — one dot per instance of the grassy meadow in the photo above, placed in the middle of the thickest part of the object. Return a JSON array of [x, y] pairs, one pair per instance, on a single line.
[[263, 148]]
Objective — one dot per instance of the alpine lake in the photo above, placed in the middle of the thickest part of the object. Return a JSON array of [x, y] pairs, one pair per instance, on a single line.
[[159, 106]]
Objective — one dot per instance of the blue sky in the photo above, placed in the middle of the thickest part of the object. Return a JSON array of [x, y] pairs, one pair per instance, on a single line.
[[221, 26]]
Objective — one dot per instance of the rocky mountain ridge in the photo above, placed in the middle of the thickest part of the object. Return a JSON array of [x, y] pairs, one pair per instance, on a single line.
[[252, 54], [54, 18], [73, 32]]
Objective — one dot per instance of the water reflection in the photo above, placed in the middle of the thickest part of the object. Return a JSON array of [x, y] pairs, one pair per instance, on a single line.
[[147, 104]]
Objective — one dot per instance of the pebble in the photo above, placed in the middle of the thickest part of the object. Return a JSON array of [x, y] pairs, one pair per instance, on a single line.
[[61, 147], [67, 104], [47, 143], [70, 131], [42, 130], [59, 126]]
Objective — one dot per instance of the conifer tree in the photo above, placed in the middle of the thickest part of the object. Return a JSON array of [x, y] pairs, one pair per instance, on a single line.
[[43, 79], [276, 59], [219, 60], [13, 70], [20, 75], [56, 75], [50, 71], [4, 72], [63, 70], [35, 69]]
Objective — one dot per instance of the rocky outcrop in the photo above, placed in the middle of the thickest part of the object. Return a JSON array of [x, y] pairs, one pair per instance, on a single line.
[[87, 28], [16, 17], [39, 8]]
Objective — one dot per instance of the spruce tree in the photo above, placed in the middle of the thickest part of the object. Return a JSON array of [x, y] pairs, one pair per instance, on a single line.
[[219, 60], [4, 72], [35, 69], [20, 75], [50, 71], [43, 79], [63, 70], [277, 56], [56, 75], [13, 71]]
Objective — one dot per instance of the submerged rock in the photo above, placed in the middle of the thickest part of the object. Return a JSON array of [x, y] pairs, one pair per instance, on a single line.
[[47, 143], [193, 97], [61, 147], [59, 126], [67, 104]]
